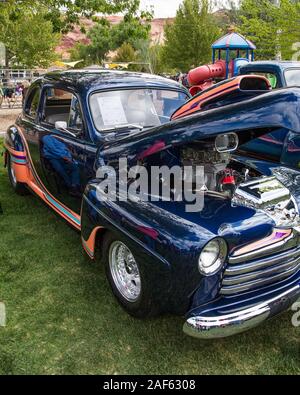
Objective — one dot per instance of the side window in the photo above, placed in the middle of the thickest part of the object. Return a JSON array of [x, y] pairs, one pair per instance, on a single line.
[[62, 106], [75, 118], [32, 102]]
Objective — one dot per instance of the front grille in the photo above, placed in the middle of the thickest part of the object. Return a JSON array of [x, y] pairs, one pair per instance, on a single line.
[[241, 276]]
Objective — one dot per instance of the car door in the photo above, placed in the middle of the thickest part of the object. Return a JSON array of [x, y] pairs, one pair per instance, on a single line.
[[62, 145], [28, 124]]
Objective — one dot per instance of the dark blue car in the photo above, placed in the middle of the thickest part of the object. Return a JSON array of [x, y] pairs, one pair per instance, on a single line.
[[226, 265]]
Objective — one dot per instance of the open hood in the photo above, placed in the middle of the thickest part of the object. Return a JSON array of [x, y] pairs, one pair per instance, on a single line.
[[248, 119]]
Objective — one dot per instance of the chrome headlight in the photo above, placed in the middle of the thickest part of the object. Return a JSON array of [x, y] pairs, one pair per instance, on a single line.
[[212, 256]]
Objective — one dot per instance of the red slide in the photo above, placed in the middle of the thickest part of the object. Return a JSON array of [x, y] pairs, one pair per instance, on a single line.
[[201, 77]]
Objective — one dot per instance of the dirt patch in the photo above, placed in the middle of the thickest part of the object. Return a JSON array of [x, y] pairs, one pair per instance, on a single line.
[[8, 117]]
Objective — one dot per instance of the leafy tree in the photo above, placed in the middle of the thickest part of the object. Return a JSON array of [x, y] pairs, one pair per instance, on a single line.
[[156, 58], [132, 29], [273, 28], [29, 41], [65, 13], [189, 38], [100, 44], [125, 53], [105, 37], [151, 53]]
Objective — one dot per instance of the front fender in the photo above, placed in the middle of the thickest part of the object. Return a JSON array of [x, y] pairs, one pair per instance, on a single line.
[[94, 220]]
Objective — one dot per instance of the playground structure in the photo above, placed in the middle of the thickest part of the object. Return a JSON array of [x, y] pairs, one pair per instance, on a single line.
[[229, 53]]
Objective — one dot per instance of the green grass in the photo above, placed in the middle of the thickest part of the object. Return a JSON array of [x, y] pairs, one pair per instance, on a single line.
[[63, 319]]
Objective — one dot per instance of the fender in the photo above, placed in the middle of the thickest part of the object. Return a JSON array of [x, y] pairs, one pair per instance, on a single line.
[[160, 276], [13, 145], [172, 241]]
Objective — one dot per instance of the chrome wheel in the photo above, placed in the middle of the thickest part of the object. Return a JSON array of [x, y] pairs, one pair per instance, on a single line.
[[124, 270]]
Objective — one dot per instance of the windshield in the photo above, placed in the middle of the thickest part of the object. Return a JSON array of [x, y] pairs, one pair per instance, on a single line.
[[140, 107], [292, 77]]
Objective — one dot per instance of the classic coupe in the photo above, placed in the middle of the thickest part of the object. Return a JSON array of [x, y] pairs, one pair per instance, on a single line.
[[226, 267]]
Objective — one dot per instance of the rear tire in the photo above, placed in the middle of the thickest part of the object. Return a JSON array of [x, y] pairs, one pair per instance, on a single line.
[[18, 187], [127, 278]]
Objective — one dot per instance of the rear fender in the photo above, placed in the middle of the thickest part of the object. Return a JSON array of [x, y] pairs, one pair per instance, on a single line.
[[14, 147]]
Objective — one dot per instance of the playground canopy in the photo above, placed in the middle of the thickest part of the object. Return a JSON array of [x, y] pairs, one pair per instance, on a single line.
[[233, 41]]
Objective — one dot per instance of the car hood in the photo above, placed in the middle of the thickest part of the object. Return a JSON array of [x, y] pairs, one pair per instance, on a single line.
[[248, 119]]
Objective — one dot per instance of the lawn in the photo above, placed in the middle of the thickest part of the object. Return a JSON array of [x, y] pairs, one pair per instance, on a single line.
[[63, 319]]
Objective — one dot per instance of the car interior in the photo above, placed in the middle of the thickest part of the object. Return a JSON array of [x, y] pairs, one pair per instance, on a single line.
[[62, 106]]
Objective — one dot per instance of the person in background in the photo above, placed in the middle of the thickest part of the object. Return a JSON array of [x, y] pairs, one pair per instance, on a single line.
[[19, 89], [9, 95]]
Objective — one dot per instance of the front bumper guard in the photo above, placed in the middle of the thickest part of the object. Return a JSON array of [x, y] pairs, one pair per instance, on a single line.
[[211, 327]]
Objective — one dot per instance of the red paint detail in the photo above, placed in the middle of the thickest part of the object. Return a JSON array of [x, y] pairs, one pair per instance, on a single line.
[[156, 147], [148, 231], [228, 180]]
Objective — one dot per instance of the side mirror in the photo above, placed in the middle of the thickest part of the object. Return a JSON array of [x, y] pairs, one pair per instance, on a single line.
[[61, 125]]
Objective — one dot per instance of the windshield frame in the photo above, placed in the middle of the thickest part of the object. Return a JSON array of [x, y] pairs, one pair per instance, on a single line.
[[287, 70], [130, 88]]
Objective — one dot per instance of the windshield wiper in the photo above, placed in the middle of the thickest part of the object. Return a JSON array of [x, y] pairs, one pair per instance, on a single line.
[[124, 126]]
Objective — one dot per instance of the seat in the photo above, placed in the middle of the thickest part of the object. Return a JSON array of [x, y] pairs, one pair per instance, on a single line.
[[57, 118]]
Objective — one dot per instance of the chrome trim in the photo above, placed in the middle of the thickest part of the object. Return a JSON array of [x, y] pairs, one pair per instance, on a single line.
[[235, 270], [287, 243], [236, 137], [241, 287], [243, 273], [219, 326]]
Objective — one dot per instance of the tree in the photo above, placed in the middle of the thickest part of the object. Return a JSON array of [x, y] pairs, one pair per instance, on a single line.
[[65, 14], [132, 29], [29, 41], [273, 28], [151, 53], [105, 37], [189, 38], [101, 43], [125, 53]]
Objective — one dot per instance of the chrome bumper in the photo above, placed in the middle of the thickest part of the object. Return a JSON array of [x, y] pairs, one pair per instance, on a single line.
[[211, 327]]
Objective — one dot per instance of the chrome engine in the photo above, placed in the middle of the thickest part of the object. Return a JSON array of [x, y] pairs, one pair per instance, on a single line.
[[245, 186], [271, 196], [214, 163]]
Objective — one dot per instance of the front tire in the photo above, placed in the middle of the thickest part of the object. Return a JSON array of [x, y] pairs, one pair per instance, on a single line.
[[127, 278], [18, 187]]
